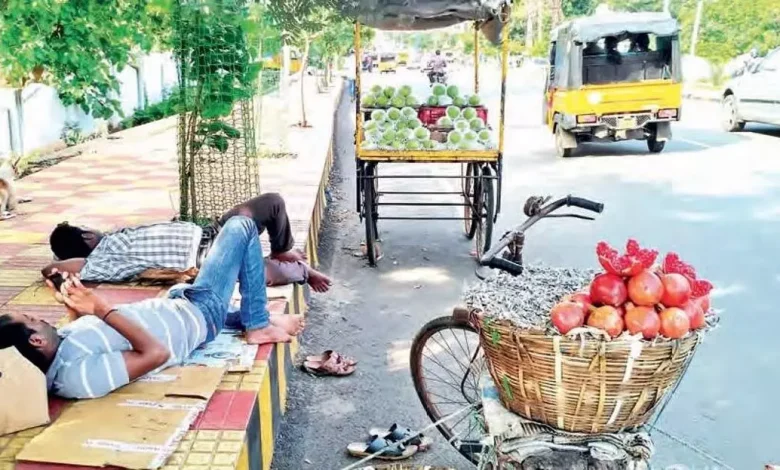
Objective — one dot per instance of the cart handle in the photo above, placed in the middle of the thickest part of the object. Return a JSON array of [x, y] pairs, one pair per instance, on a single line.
[[536, 211]]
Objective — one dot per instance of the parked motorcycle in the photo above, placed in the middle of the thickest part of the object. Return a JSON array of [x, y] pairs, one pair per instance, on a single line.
[[435, 77]]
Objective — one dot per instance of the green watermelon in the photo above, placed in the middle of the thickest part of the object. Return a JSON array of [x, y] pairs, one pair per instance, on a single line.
[[469, 113], [389, 92], [453, 91], [405, 90], [439, 89], [433, 100]]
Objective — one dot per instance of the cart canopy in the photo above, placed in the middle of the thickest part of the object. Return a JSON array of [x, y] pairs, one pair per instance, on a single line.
[[416, 15], [595, 27]]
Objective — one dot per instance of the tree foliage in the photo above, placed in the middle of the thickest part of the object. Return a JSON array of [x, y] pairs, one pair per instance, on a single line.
[[76, 46]]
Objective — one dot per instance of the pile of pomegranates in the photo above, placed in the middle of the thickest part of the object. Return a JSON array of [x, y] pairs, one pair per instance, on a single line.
[[635, 295]]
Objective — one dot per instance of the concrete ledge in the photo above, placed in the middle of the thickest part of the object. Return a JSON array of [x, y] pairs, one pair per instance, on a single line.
[[238, 427]]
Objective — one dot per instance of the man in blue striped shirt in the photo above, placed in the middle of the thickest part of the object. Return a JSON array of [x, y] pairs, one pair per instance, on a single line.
[[109, 346]]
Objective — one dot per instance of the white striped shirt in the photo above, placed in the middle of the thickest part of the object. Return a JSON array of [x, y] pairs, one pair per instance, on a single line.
[[89, 362]]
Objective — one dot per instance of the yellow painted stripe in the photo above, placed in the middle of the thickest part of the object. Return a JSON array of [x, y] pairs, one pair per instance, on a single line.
[[243, 458], [266, 422], [281, 374]]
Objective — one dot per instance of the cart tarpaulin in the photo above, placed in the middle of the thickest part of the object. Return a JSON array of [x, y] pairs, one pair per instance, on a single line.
[[416, 15]]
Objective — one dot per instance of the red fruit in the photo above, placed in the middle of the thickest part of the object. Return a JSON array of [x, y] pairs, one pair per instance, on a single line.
[[581, 298], [695, 314], [704, 303], [607, 318], [673, 264], [677, 290], [645, 288], [643, 320], [632, 263], [674, 323], [608, 289], [567, 315]]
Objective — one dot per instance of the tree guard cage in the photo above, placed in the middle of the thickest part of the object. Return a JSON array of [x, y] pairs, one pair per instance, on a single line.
[[216, 145]]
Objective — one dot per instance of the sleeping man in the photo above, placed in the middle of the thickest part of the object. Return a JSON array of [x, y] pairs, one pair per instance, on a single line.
[[109, 346]]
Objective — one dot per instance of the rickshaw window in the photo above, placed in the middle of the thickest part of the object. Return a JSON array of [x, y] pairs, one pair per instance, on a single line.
[[627, 58]]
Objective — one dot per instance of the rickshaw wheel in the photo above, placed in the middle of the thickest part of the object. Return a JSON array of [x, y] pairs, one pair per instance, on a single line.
[[486, 202], [469, 218], [562, 151], [446, 362], [654, 146], [370, 212]]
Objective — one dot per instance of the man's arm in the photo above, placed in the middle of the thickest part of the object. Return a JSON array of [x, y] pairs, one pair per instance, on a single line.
[[73, 266], [148, 353]]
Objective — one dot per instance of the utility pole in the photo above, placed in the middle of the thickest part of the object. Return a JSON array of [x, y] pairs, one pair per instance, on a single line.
[[529, 28], [696, 25], [666, 5]]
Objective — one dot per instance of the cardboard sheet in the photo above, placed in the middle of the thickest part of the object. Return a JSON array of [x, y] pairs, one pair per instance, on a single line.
[[227, 350], [138, 426], [118, 430], [23, 398]]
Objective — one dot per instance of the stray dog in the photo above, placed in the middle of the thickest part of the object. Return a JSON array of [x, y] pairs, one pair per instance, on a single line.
[[8, 199]]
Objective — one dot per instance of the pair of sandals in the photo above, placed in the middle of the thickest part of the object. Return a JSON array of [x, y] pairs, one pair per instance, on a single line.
[[396, 443], [329, 364]]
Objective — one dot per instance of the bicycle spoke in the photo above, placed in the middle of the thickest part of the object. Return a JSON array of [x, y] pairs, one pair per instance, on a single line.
[[453, 355], [439, 379], [446, 369]]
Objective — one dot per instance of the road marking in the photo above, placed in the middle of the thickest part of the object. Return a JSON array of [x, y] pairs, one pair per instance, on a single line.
[[693, 142]]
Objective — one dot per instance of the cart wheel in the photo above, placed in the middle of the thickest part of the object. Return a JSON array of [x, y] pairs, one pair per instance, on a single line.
[[486, 202], [469, 219], [447, 362], [370, 213]]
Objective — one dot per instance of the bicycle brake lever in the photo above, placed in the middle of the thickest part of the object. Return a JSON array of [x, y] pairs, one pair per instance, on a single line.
[[575, 216]]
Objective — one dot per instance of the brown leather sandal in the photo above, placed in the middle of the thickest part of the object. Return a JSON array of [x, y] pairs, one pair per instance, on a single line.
[[333, 365]]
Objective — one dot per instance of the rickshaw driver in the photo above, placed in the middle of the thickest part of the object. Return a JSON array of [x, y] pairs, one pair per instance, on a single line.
[[437, 65], [613, 55]]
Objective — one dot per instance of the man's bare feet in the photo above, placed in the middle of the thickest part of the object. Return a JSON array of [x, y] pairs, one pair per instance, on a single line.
[[292, 324], [318, 281], [289, 256], [269, 334]]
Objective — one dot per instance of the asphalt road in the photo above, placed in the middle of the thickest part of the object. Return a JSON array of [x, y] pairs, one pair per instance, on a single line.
[[711, 196]]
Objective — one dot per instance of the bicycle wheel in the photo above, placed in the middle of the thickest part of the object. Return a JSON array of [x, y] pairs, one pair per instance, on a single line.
[[487, 207], [370, 213], [447, 362], [469, 219]]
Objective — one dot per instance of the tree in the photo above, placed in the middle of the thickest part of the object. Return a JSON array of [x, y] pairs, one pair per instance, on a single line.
[[77, 45]]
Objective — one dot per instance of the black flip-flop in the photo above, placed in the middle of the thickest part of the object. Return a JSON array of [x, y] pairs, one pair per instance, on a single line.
[[397, 433], [392, 451]]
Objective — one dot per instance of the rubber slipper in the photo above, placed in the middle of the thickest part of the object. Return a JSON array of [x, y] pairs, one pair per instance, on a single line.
[[329, 368], [397, 433], [7, 215], [327, 354], [375, 444]]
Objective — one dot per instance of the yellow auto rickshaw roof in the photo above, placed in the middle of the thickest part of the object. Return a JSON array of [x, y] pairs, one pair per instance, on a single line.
[[593, 28]]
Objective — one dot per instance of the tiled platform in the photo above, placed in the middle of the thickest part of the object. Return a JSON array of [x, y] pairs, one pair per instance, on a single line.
[[132, 180]]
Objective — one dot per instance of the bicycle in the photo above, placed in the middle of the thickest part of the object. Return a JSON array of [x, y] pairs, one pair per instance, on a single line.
[[443, 335]]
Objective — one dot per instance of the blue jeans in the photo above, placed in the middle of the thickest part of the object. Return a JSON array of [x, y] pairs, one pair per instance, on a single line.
[[235, 255]]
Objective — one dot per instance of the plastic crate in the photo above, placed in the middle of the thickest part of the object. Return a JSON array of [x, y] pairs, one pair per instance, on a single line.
[[429, 115]]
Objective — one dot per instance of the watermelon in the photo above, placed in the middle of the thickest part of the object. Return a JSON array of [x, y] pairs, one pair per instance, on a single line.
[[378, 115], [369, 101], [471, 136], [393, 114], [469, 113], [459, 101], [405, 90], [409, 112], [444, 121], [445, 101], [413, 145], [411, 101], [422, 133], [382, 101], [454, 137], [388, 135], [477, 124], [413, 123], [439, 89], [484, 135], [462, 125], [389, 92], [376, 89], [433, 100], [453, 91], [429, 144], [474, 100], [453, 112]]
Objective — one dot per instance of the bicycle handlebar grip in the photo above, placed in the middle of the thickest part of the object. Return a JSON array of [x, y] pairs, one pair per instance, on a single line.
[[505, 265], [586, 204]]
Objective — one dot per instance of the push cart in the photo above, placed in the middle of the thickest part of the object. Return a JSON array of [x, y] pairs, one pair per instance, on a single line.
[[479, 194]]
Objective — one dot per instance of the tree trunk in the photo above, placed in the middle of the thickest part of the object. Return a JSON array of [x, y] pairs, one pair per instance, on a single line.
[[529, 29], [304, 63], [540, 20]]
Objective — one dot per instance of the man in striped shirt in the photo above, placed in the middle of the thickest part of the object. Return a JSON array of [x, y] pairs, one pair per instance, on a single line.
[[109, 346]]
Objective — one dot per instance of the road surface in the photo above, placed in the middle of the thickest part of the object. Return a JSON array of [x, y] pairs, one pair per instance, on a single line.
[[711, 196]]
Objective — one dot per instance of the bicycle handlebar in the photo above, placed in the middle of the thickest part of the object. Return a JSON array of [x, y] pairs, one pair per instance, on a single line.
[[505, 265], [586, 204]]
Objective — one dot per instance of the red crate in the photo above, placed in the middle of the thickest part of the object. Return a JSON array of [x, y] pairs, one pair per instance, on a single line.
[[429, 115]]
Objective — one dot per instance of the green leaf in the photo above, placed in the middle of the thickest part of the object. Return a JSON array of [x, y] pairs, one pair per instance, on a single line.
[[506, 386]]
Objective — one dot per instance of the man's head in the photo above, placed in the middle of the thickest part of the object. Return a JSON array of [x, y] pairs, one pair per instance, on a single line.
[[611, 43], [642, 41], [33, 338], [68, 241], [438, 52]]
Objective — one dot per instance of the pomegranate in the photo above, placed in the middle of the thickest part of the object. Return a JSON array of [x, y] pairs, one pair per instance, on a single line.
[[634, 261], [645, 288], [695, 314], [674, 323], [673, 264], [677, 290], [608, 289], [704, 303], [567, 315], [606, 318], [581, 298], [643, 320]]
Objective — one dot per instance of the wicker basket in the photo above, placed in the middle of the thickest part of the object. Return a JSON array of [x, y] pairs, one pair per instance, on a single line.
[[582, 385]]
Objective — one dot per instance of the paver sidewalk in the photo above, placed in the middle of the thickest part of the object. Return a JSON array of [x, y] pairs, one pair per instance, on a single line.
[[131, 179]]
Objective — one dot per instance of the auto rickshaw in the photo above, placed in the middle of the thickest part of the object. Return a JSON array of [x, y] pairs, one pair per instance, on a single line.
[[614, 77], [387, 63], [403, 59]]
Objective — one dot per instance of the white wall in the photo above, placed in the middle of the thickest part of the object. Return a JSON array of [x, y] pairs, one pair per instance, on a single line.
[[39, 119]]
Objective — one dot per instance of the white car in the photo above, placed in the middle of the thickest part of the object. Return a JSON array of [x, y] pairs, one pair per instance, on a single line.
[[753, 96]]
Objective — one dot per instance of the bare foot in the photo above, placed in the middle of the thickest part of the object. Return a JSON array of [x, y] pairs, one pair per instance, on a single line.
[[269, 334], [289, 256], [292, 324], [318, 281]]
